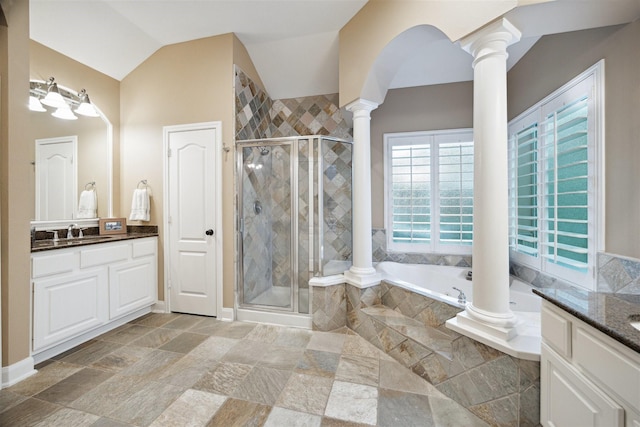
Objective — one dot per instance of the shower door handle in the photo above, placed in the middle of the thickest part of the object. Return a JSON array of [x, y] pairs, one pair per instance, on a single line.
[[209, 232]]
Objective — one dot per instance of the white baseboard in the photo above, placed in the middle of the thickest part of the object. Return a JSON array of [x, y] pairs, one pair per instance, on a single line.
[[17, 372], [159, 307], [226, 314]]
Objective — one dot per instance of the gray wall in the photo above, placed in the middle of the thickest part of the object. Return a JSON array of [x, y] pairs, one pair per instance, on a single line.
[[555, 60], [448, 106], [552, 62]]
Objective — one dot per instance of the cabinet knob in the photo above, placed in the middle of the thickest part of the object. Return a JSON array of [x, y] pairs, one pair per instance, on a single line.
[[209, 232]]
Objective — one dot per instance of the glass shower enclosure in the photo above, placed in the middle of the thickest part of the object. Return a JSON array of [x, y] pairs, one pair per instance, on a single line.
[[294, 219]]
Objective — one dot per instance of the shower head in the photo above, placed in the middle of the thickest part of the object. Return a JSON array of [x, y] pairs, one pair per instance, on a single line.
[[263, 150]]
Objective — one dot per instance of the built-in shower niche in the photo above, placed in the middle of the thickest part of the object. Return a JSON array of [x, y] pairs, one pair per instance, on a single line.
[[294, 218]]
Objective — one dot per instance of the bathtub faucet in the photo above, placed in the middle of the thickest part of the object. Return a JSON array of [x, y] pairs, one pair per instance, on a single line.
[[462, 298]]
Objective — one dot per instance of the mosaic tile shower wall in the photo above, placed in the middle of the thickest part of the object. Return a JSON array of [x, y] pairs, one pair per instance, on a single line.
[[269, 237], [266, 205], [257, 243], [258, 116], [337, 202]]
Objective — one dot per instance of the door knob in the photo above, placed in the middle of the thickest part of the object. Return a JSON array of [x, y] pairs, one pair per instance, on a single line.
[[209, 232]]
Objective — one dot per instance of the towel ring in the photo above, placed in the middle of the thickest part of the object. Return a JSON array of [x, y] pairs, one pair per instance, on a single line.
[[143, 182], [90, 185]]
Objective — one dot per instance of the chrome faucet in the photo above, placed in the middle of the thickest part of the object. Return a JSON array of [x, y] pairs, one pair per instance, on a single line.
[[462, 298], [70, 230]]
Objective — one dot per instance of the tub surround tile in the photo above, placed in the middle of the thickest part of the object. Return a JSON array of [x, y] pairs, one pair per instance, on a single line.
[[394, 376], [476, 376], [329, 308]]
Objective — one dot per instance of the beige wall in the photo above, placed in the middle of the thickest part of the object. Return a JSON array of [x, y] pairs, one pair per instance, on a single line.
[[183, 83], [15, 193], [364, 37], [447, 106], [555, 60], [103, 90]]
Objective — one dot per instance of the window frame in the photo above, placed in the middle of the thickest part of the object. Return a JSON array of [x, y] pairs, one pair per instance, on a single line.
[[433, 139], [593, 80]]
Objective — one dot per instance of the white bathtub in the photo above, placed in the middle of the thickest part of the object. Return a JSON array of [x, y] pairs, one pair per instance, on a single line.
[[438, 281]]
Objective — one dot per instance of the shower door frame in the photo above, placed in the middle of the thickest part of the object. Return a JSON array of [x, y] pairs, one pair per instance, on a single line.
[[292, 142]]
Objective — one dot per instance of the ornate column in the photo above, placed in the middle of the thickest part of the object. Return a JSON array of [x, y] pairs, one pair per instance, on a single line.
[[489, 309], [362, 274]]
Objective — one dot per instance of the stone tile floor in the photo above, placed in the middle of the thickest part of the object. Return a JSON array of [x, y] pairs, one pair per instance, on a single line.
[[182, 370]]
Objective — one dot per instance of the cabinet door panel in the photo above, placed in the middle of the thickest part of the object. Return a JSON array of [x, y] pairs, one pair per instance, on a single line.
[[569, 400], [68, 306], [132, 285]]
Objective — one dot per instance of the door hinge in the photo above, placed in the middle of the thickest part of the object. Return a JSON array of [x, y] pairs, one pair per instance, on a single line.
[[169, 152], [169, 220]]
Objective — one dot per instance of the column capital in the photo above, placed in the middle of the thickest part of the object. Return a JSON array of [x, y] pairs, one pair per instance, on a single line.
[[491, 39], [361, 104]]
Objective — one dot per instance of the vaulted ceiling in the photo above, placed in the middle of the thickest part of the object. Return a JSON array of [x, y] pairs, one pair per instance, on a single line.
[[293, 43]]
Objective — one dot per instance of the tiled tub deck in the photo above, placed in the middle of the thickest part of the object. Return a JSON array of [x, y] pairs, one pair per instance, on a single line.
[[498, 388]]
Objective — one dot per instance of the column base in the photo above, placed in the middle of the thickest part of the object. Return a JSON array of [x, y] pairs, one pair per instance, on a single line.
[[362, 277], [501, 327], [523, 345]]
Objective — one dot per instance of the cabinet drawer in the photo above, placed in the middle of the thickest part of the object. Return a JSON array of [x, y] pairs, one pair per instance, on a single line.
[[606, 364], [556, 331], [46, 265], [104, 255], [144, 247]]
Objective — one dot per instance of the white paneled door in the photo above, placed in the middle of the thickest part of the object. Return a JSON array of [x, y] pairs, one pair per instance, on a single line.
[[192, 218]]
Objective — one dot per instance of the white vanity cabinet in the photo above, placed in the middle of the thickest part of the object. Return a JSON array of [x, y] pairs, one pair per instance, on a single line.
[[587, 377], [82, 290]]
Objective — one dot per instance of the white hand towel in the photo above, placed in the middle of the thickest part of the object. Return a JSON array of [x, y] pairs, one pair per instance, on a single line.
[[88, 204], [140, 205]]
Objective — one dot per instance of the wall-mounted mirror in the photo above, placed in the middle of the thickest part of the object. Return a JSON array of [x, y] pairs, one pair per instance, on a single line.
[[70, 156]]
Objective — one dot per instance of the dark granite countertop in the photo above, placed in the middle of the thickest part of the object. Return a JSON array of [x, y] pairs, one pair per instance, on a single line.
[[607, 312], [133, 232]]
